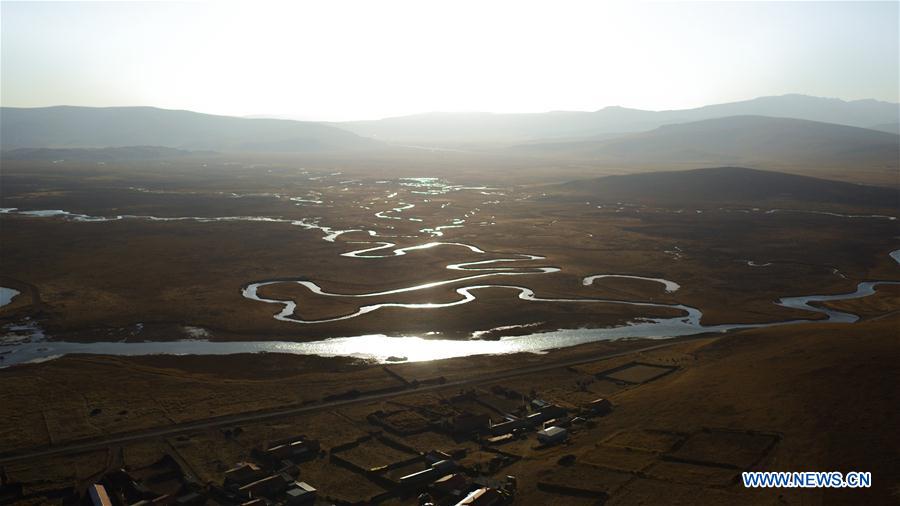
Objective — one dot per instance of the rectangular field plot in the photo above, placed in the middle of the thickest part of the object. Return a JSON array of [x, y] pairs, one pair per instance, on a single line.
[[735, 449], [637, 373], [499, 403], [487, 461], [649, 440], [338, 483], [428, 441], [373, 454], [401, 421], [615, 457], [583, 479], [605, 387]]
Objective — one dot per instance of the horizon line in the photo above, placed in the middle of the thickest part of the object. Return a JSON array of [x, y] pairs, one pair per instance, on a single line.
[[436, 112]]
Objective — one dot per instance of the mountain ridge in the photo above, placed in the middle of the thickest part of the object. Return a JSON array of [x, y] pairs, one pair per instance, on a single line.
[[739, 140], [475, 127], [95, 127]]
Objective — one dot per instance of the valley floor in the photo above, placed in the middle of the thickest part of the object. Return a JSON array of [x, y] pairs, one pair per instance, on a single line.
[[157, 253]]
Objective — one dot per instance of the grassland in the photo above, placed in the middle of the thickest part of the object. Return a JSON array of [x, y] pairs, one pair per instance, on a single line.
[[687, 418], [93, 286]]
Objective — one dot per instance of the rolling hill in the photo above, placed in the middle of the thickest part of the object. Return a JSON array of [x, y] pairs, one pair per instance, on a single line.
[[90, 127], [473, 128], [747, 140], [893, 128], [726, 184]]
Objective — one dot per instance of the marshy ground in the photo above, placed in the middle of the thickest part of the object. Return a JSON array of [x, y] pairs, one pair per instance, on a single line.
[[168, 263], [687, 418]]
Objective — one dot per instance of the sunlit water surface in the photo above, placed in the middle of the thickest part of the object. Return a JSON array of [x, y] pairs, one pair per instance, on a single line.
[[27, 343]]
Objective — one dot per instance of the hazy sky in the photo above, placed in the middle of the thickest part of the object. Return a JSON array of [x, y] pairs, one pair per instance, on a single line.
[[337, 60]]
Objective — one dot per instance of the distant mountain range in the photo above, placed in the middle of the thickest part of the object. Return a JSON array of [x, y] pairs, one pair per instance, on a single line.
[[724, 185], [90, 127], [783, 131], [473, 128], [745, 140]]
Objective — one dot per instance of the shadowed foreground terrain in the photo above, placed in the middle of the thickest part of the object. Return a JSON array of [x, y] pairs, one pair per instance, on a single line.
[[791, 398]]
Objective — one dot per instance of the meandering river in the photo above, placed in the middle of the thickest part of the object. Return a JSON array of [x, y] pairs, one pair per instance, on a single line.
[[15, 349], [381, 348]]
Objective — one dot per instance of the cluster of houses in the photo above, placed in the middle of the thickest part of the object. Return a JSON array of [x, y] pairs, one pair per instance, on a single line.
[[255, 487], [549, 420], [271, 482], [272, 477], [444, 483], [165, 483], [551, 423], [439, 482], [250, 484]]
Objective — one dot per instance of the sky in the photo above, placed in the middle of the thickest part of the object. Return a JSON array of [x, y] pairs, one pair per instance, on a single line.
[[340, 60]]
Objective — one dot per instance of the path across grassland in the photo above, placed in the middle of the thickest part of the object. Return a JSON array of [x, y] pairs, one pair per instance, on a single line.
[[84, 445]]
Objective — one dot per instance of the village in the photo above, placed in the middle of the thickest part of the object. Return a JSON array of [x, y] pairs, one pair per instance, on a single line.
[[452, 448], [437, 477]]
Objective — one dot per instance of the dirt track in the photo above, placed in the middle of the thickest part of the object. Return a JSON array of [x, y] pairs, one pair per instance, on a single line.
[[81, 446]]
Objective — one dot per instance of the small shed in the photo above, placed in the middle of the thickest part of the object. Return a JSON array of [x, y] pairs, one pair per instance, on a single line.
[[301, 493], [552, 435]]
